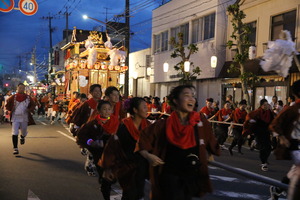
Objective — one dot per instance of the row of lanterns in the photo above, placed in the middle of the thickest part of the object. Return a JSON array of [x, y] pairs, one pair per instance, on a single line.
[[213, 61], [187, 64]]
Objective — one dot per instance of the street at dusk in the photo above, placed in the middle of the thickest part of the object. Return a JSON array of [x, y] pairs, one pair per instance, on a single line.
[[150, 100], [51, 166]]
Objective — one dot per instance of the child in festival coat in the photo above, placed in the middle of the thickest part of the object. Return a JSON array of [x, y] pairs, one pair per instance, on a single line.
[[94, 134], [222, 129], [238, 116], [119, 158]]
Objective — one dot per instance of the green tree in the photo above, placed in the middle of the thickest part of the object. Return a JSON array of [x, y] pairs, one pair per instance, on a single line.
[[179, 51], [240, 36]]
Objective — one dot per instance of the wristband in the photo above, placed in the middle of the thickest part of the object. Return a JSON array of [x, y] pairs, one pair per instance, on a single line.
[[89, 142]]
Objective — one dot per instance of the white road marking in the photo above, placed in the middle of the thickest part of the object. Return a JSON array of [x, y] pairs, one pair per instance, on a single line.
[[43, 123], [32, 196], [66, 135], [237, 180], [239, 195]]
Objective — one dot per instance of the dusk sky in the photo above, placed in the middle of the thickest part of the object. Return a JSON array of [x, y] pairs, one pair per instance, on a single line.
[[20, 33]]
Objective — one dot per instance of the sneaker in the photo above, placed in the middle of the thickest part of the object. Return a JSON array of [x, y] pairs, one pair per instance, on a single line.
[[52, 122], [16, 151], [223, 147], [274, 194], [83, 151], [90, 171], [22, 140], [264, 167]]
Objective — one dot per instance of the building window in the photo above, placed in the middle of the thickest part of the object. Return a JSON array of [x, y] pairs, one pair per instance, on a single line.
[[184, 29], [164, 41], [268, 92], [252, 35], [209, 26], [285, 21], [196, 30], [156, 43], [203, 28]]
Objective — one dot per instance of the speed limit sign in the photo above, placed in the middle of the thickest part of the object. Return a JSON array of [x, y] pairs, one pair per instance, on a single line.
[[28, 7]]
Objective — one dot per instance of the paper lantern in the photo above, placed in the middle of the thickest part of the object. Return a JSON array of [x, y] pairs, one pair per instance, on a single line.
[[166, 67], [110, 67], [117, 67], [187, 65], [213, 61]]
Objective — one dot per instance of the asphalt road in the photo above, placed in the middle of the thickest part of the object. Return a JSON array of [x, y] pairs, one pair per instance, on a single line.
[[50, 167]]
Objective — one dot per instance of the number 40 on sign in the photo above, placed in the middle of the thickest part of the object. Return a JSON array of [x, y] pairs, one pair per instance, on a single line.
[[28, 7]]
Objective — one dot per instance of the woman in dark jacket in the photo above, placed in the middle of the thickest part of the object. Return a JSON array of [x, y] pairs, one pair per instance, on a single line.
[[177, 149]]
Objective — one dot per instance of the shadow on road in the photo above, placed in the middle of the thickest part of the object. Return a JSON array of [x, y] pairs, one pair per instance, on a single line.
[[64, 164]]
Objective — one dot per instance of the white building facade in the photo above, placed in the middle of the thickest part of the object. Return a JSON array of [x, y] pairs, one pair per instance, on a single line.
[[203, 23], [141, 73]]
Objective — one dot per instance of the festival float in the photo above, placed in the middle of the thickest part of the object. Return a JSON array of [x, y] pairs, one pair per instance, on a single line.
[[94, 60]]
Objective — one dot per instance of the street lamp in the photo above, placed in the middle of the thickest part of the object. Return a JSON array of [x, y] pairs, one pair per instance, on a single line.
[[97, 20]]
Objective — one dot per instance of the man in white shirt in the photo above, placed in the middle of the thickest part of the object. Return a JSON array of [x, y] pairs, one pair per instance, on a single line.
[[20, 106]]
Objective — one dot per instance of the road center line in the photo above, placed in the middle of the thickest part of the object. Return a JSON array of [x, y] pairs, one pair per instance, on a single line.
[[66, 135]]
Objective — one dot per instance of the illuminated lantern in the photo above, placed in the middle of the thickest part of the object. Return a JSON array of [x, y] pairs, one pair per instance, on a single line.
[[83, 65], [103, 67], [213, 61], [110, 67], [166, 67], [117, 67], [97, 66], [187, 65]]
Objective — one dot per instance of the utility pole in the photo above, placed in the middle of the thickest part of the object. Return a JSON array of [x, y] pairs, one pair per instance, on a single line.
[[49, 18], [127, 46], [20, 63], [33, 61], [50, 50], [106, 13]]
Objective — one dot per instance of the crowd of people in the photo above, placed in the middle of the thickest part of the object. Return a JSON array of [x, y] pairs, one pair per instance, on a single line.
[[169, 143]]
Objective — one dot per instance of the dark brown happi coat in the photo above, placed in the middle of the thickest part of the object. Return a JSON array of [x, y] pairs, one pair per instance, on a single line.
[[283, 125], [10, 106], [153, 139], [83, 114]]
